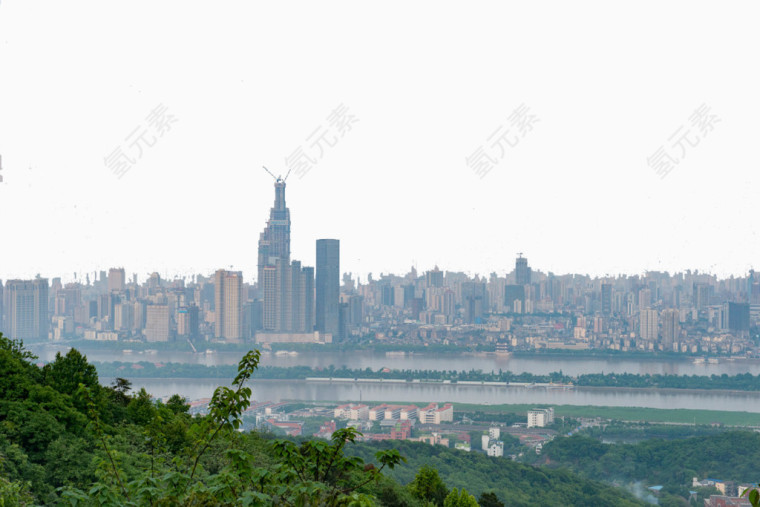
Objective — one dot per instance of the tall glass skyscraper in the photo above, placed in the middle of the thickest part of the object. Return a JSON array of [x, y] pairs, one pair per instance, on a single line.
[[328, 286], [287, 287], [274, 241]]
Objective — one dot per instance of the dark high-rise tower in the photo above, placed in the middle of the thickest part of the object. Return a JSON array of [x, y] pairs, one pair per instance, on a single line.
[[522, 271], [328, 286], [474, 301], [274, 241], [737, 317]]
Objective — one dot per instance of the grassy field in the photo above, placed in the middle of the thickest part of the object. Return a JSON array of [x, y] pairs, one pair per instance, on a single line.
[[629, 413], [653, 415]]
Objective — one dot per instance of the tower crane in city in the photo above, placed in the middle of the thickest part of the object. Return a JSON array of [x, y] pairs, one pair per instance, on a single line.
[[277, 178]]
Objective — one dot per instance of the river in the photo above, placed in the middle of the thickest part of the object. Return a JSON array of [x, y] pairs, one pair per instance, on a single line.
[[279, 390], [539, 365], [273, 390]]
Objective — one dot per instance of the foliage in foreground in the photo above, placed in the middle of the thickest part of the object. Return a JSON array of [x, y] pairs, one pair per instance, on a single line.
[[67, 440], [513, 483]]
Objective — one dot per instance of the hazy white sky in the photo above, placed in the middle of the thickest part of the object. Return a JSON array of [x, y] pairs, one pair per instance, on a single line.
[[427, 83]]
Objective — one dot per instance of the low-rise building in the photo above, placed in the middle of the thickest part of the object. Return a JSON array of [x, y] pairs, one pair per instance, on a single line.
[[485, 440], [408, 412], [727, 501], [432, 414], [496, 449], [540, 417], [293, 429], [326, 430], [352, 412]]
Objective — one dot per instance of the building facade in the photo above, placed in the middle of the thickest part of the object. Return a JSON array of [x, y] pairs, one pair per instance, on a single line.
[[25, 303], [328, 286]]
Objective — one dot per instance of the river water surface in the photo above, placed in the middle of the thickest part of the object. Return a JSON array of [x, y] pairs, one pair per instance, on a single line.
[[277, 390]]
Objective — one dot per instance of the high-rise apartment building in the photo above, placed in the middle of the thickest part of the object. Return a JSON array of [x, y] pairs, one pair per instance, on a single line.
[[645, 298], [116, 279], [648, 322], [157, 323], [26, 309], [671, 327], [124, 317], [606, 298], [228, 298], [434, 278], [701, 295]]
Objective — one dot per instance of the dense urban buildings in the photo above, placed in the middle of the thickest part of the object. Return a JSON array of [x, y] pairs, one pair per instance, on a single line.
[[688, 313], [525, 309]]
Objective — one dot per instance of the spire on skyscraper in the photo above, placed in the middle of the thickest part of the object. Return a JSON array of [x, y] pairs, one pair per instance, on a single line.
[[274, 241]]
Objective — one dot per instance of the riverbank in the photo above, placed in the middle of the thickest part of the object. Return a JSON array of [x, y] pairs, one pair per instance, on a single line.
[[154, 369], [370, 346]]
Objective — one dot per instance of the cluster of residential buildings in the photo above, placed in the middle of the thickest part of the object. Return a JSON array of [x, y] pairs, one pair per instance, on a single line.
[[431, 414]]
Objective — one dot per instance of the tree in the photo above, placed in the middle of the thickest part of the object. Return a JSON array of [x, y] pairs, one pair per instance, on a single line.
[[312, 473], [427, 485], [120, 391], [141, 409], [489, 499], [14, 493], [460, 499], [177, 404], [67, 372]]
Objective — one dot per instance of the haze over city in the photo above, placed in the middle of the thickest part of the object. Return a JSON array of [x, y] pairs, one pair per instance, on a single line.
[[576, 194]]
